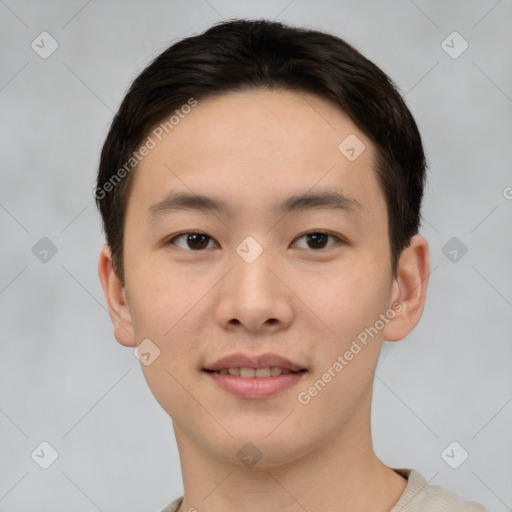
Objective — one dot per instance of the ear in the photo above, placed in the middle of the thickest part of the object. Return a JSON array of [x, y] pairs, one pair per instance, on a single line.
[[409, 289], [116, 299]]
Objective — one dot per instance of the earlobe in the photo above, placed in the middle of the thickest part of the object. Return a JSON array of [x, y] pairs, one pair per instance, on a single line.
[[116, 299], [409, 289]]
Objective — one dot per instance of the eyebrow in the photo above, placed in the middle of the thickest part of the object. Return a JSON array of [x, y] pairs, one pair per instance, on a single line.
[[330, 200]]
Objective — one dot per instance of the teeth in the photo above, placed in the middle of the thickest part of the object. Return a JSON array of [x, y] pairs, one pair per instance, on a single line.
[[248, 373], [263, 372]]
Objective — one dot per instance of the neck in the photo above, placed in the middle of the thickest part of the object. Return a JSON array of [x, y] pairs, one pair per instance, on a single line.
[[340, 473]]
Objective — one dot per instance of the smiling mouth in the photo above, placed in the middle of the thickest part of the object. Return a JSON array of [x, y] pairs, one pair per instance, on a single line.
[[249, 373]]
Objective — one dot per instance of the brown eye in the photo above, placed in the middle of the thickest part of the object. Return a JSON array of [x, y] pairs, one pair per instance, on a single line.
[[192, 241], [316, 240]]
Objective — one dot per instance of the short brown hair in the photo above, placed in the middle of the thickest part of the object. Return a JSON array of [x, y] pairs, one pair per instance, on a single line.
[[238, 55]]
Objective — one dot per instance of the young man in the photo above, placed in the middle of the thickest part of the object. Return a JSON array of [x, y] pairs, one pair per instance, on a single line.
[[260, 189]]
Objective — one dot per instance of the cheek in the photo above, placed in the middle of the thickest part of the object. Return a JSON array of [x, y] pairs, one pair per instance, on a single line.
[[348, 299], [342, 379], [170, 307], [161, 300]]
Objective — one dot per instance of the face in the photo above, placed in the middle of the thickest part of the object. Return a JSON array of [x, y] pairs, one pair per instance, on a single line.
[[249, 233]]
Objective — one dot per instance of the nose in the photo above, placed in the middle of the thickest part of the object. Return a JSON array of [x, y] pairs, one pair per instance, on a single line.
[[253, 296]]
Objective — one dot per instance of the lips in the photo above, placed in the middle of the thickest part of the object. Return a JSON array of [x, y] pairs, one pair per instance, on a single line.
[[248, 373], [255, 377], [242, 361]]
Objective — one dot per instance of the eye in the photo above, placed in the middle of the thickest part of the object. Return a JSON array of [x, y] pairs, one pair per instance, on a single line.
[[316, 240], [196, 241], [192, 241]]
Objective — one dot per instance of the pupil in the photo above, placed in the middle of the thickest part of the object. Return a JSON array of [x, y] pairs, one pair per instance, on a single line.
[[318, 240], [197, 241]]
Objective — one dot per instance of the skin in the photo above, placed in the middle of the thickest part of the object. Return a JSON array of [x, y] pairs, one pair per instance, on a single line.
[[253, 149]]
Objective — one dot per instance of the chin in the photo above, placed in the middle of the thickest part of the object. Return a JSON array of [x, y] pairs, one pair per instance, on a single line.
[[256, 447]]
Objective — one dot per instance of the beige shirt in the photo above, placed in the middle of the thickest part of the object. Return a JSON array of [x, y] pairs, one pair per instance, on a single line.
[[418, 496]]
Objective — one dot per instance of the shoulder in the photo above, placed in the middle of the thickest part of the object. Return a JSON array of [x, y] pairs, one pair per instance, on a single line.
[[419, 496], [174, 506]]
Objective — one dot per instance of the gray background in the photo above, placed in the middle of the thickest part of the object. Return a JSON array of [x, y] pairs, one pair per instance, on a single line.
[[63, 377]]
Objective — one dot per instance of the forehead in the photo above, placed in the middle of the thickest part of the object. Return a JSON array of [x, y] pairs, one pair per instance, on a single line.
[[255, 146], [288, 124]]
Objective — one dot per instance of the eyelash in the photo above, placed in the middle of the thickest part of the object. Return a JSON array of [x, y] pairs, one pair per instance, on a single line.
[[185, 233]]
